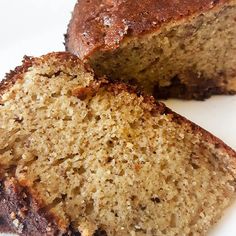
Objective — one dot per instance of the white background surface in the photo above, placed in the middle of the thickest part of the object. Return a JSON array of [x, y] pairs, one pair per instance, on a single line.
[[34, 28]]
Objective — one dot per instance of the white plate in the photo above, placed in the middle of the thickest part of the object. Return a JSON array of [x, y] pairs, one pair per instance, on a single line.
[[36, 27]]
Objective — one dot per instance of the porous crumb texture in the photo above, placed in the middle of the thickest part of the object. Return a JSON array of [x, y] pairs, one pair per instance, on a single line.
[[191, 58], [110, 160]]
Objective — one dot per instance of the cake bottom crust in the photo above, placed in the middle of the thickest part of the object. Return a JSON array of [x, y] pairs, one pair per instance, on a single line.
[[203, 89], [21, 214]]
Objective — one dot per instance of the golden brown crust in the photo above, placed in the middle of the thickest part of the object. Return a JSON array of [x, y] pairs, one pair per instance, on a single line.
[[102, 24], [15, 75], [61, 58]]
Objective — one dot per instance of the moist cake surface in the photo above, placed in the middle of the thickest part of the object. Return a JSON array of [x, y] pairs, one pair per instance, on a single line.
[[91, 157], [183, 49]]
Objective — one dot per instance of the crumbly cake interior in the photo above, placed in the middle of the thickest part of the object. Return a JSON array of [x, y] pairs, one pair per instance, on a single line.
[[109, 161], [193, 58]]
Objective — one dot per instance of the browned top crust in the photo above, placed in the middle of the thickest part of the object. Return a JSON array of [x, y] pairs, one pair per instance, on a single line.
[[104, 24], [62, 58], [20, 211]]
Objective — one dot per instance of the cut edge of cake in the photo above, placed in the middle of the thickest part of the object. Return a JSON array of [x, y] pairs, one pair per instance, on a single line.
[[134, 50], [24, 213]]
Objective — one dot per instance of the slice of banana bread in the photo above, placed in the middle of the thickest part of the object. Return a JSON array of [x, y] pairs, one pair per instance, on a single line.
[[81, 156], [184, 49]]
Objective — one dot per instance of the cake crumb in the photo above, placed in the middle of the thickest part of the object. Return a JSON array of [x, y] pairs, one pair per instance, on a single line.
[[13, 215], [16, 223]]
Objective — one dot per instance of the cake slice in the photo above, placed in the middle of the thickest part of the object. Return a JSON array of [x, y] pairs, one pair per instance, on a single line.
[[81, 156], [184, 49]]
